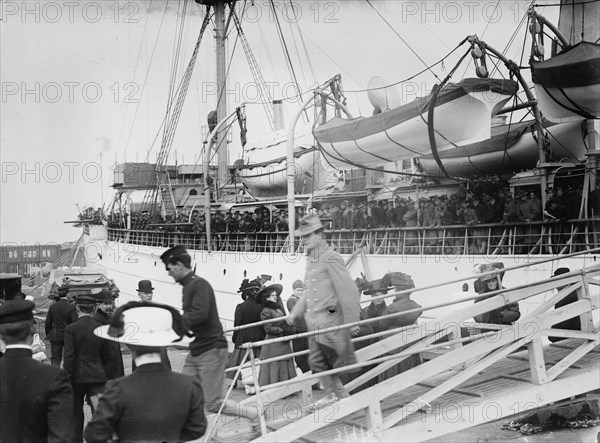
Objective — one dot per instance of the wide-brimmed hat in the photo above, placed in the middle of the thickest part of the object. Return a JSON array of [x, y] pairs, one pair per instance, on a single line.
[[376, 286], [308, 224], [248, 285], [145, 286], [144, 324], [260, 297], [398, 280]]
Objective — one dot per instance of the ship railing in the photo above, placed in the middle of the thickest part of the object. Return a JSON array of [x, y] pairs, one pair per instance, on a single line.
[[531, 238], [464, 355]]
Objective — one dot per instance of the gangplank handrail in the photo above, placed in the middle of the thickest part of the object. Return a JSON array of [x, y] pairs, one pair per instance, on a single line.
[[480, 353]]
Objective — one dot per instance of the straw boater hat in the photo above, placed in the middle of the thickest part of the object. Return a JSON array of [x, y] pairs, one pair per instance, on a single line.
[[145, 324], [308, 224], [260, 297]]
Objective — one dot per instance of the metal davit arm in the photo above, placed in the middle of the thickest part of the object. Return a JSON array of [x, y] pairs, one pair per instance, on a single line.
[[206, 168]]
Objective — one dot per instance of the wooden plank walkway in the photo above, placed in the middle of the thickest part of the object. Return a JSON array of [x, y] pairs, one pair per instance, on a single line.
[[500, 391]]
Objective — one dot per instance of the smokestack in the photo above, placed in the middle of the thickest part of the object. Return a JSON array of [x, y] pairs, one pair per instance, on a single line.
[[278, 115]]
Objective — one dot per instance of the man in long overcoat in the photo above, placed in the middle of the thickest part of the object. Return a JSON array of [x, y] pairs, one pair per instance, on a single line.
[[35, 399], [60, 314], [104, 307], [86, 357], [331, 298]]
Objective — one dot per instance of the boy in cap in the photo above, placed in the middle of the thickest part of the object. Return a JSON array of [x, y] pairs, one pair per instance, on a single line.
[[102, 312], [60, 314], [207, 358], [86, 358], [153, 403], [35, 399], [331, 298]]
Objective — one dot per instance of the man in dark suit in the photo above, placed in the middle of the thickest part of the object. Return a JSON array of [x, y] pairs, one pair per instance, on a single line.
[[60, 314], [153, 403], [85, 359], [104, 306], [35, 399]]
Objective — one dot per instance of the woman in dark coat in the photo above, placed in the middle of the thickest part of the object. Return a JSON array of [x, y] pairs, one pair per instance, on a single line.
[[246, 313], [280, 370], [401, 303], [504, 315]]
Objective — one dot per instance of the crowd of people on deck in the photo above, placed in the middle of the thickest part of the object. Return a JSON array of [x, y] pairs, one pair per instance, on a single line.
[[481, 204]]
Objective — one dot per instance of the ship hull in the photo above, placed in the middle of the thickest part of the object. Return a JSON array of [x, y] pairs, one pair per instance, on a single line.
[[127, 263]]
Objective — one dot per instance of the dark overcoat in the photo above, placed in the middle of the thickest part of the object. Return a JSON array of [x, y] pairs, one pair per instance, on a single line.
[[60, 314], [114, 363], [246, 313], [151, 404], [35, 400], [86, 354]]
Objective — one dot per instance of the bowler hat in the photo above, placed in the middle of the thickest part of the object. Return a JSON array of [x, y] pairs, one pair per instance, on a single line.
[[308, 224], [145, 286], [173, 253], [298, 284], [13, 311], [144, 324], [260, 297], [104, 296]]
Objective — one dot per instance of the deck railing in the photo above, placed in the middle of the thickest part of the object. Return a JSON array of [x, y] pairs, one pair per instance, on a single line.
[[485, 239]]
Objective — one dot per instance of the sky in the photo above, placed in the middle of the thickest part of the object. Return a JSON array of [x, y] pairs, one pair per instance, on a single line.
[[84, 85]]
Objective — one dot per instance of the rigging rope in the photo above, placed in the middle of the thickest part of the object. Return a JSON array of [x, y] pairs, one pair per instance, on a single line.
[[145, 82], [400, 37], [287, 53]]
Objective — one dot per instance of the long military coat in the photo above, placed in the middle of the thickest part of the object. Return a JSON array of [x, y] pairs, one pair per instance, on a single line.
[[331, 298]]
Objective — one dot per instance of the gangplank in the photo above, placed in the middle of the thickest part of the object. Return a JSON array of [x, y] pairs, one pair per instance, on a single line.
[[493, 371]]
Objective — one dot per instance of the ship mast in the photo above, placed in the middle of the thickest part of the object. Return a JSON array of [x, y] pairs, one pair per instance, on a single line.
[[220, 49]]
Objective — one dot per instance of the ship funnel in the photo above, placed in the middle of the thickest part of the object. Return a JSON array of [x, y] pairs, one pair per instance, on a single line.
[[278, 115], [381, 96]]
